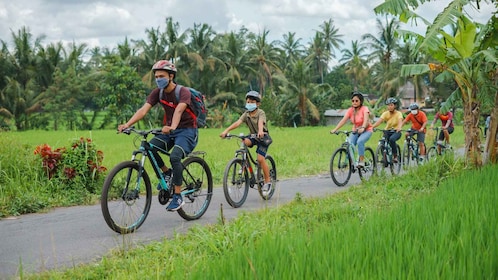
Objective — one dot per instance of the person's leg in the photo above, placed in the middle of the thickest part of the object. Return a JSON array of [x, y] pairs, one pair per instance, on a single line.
[[361, 140], [392, 142], [421, 141], [449, 131], [185, 142], [163, 142], [261, 152]]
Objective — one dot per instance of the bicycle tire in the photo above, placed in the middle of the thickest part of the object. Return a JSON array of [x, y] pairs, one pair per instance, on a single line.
[[273, 177], [396, 167], [125, 210], [406, 156], [432, 153], [340, 167], [370, 165], [381, 157], [196, 176], [236, 182]]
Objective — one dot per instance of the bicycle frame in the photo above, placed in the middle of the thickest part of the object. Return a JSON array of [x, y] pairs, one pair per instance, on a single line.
[[248, 159], [145, 151]]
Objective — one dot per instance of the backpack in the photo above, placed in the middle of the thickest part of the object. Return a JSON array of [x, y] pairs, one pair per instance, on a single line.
[[197, 108]]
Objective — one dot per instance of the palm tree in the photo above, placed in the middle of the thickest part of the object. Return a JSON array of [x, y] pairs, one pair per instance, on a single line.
[[355, 62]]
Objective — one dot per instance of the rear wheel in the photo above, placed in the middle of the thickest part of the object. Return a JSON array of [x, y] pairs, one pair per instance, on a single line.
[[126, 197], [197, 188], [370, 165], [273, 177], [236, 183], [340, 167]]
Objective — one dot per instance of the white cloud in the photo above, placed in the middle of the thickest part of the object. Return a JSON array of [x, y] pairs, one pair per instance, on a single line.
[[107, 23]]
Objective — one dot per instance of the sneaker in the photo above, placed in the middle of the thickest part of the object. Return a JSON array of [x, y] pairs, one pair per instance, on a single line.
[[265, 190], [361, 164], [167, 176], [439, 142], [176, 203]]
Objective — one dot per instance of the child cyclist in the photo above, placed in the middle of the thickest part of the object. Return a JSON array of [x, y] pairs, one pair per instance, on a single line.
[[359, 115], [419, 122], [255, 119]]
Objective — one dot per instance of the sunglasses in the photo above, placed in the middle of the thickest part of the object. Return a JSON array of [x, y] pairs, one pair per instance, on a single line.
[[355, 100]]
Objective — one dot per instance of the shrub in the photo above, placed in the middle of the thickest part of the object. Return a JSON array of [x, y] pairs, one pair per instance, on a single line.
[[79, 164]]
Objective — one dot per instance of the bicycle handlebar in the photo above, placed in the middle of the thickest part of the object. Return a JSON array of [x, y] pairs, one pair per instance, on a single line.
[[144, 133], [347, 132]]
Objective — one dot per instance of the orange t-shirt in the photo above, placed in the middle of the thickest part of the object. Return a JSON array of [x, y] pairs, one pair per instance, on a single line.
[[417, 120]]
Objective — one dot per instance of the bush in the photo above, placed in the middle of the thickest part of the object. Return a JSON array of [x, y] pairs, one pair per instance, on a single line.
[[74, 166]]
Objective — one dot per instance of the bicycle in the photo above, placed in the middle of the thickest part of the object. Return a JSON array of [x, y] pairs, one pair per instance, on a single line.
[[411, 150], [437, 148], [239, 175], [344, 162], [127, 193], [384, 154]]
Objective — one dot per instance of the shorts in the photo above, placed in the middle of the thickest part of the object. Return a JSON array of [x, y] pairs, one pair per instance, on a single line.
[[261, 149]]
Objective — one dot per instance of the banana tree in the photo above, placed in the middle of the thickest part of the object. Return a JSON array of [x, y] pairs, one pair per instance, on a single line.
[[464, 57]]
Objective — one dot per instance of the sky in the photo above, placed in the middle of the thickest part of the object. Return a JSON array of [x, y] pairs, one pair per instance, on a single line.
[[107, 23]]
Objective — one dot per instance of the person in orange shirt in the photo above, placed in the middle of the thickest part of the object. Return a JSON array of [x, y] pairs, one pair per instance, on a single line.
[[419, 122], [447, 127]]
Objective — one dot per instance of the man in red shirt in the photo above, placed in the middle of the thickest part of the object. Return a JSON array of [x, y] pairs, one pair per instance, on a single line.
[[419, 121]]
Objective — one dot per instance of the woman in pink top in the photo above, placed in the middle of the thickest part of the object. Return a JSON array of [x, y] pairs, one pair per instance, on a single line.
[[359, 115]]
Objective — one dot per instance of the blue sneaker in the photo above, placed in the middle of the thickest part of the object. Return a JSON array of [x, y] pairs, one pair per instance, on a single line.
[[167, 176], [176, 203]]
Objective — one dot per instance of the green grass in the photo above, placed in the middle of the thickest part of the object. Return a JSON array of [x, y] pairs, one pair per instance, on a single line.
[[427, 224]]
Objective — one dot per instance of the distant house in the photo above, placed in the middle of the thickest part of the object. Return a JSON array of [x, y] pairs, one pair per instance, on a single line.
[[334, 116], [406, 95]]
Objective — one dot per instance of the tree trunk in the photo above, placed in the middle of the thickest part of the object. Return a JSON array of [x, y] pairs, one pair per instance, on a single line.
[[490, 147], [471, 129]]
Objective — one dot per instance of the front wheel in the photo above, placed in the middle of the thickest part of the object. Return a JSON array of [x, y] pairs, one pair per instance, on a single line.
[[396, 166], [197, 188], [236, 182], [370, 165], [432, 153], [273, 178], [340, 167], [407, 156], [126, 197]]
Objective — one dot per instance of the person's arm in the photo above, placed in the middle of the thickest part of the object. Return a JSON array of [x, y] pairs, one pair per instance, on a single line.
[[340, 124], [139, 114], [177, 116], [261, 125], [232, 126], [377, 123]]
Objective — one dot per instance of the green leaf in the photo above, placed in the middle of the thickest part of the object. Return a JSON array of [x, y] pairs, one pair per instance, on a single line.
[[409, 70]]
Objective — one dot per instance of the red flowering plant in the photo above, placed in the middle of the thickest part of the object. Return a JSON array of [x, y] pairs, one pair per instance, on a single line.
[[81, 163]]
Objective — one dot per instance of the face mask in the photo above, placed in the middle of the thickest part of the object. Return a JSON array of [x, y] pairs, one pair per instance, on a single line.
[[251, 107], [162, 82], [414, 112]]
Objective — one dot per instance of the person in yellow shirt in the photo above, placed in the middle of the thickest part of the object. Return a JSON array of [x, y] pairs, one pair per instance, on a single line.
[[394, 120]]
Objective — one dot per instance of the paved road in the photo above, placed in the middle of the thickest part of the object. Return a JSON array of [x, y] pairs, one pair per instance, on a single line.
[[69, 236]]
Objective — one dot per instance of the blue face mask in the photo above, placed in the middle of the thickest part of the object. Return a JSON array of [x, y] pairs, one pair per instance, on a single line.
[[251, 106], [162, 82]]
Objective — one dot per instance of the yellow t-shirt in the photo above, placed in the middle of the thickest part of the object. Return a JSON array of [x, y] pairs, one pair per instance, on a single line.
[[391, 119]]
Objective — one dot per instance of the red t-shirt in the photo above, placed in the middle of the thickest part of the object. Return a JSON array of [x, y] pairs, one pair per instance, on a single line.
[[186, 120]]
